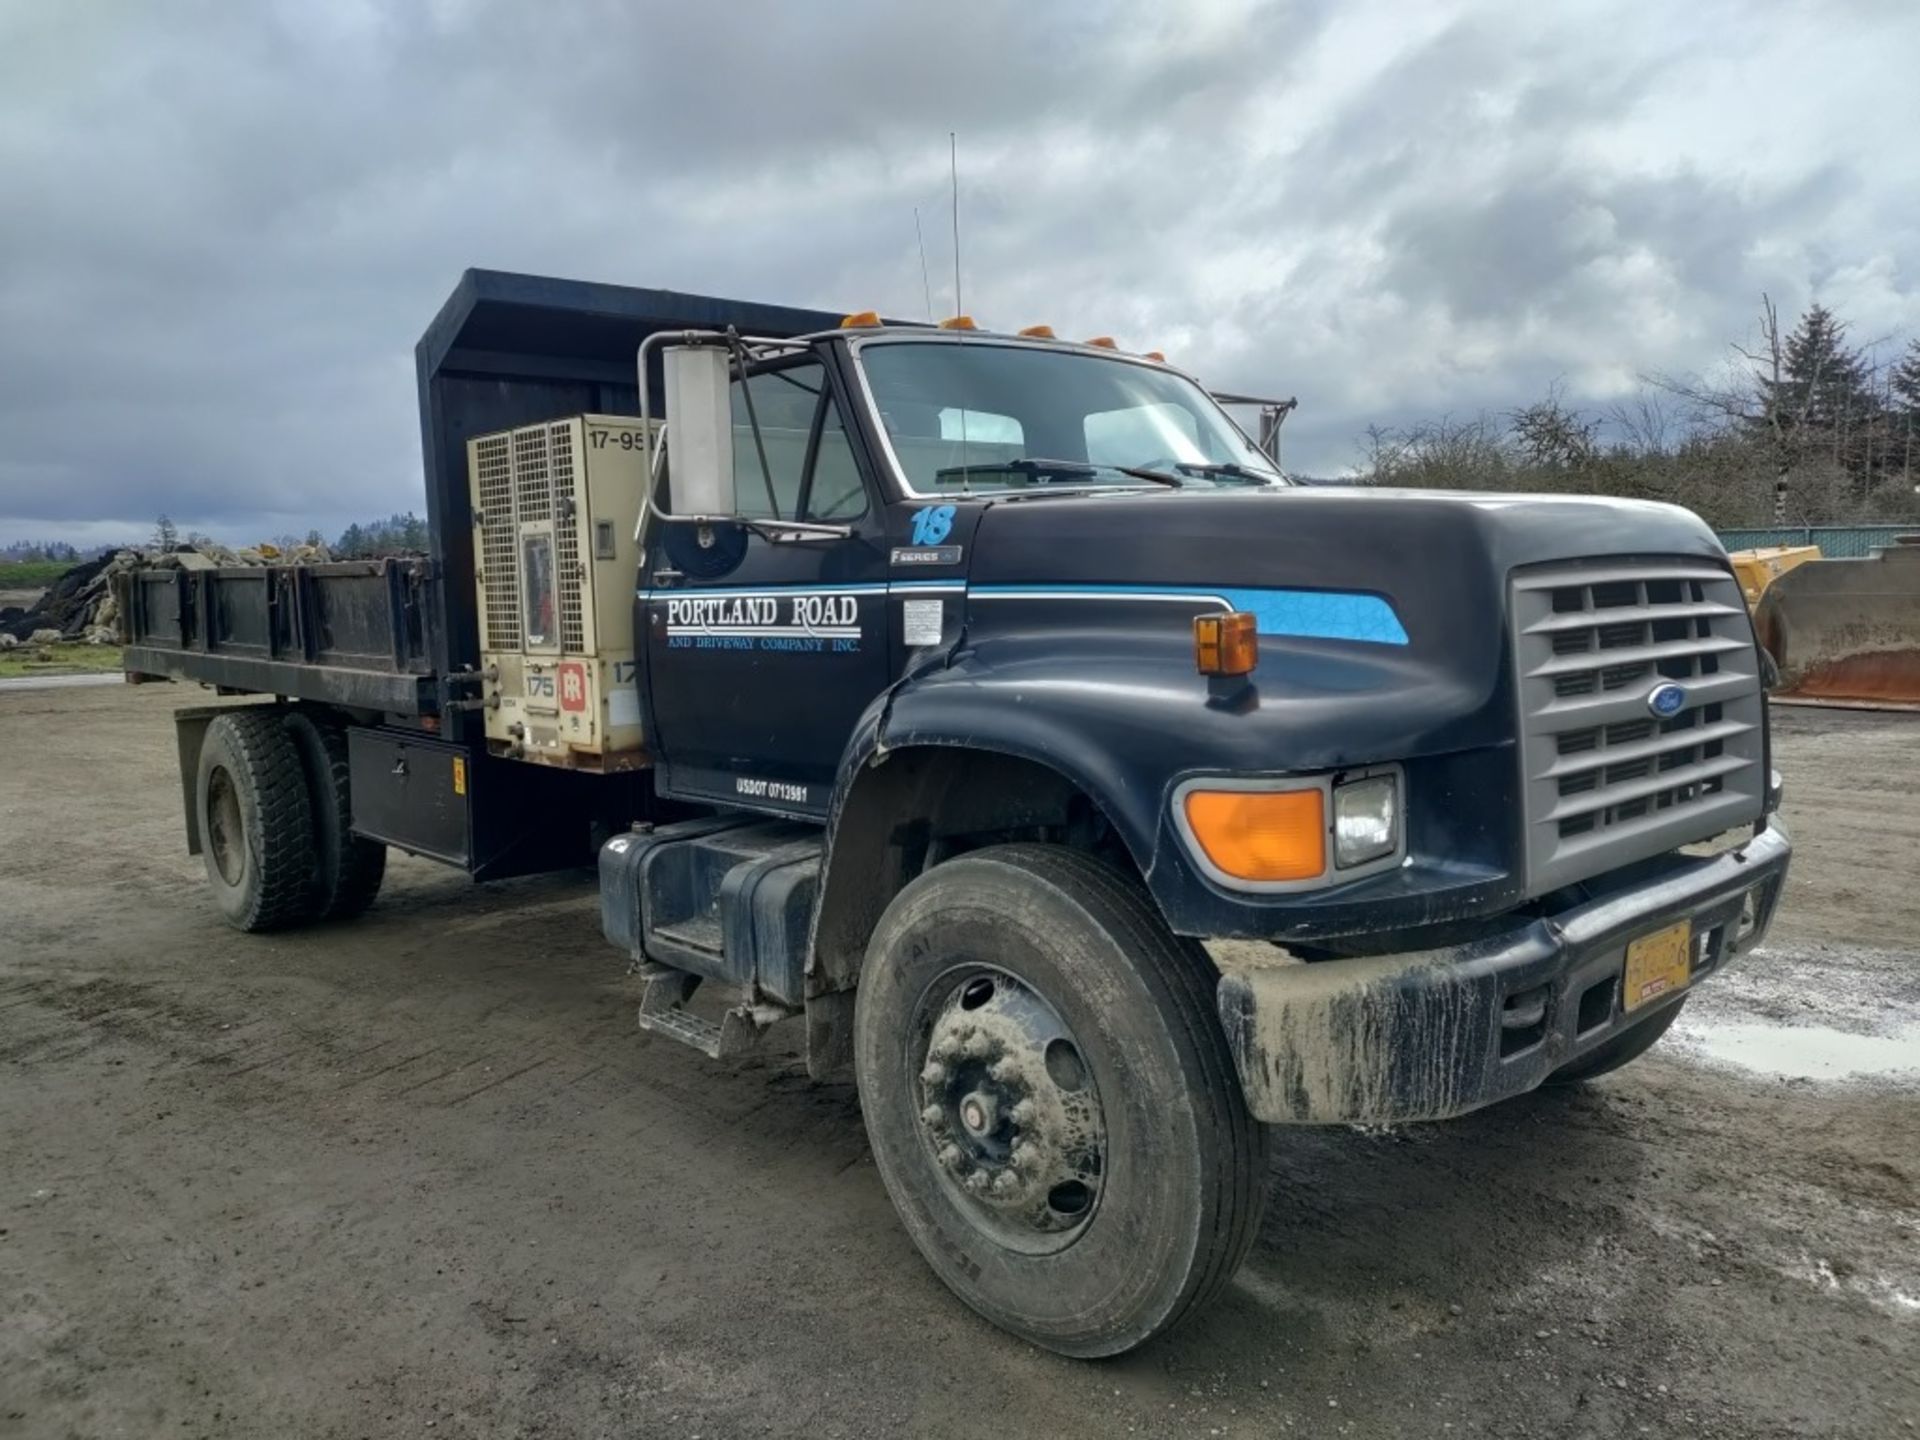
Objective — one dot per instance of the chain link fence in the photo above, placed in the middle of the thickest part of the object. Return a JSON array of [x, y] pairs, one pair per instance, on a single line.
[[1835, 541]]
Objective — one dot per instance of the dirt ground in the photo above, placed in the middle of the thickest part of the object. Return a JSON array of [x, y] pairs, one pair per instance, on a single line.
[[420, 1174]]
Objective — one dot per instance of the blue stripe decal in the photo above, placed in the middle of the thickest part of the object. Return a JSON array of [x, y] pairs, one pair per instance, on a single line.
[[1303, 614], [1321, 614]]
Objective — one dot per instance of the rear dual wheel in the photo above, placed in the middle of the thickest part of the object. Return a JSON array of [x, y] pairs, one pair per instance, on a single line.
[[275, 822], [255, 820], [1050, 1099]]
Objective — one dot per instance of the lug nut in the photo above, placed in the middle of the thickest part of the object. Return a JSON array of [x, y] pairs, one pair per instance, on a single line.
[[950, 1156], [934, 1074], [1025, 1112], [932, 1116]]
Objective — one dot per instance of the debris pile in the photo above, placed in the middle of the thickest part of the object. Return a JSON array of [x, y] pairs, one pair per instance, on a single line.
[[80, 605]]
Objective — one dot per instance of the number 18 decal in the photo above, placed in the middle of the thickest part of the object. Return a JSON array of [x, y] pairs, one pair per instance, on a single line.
[[932, 524]]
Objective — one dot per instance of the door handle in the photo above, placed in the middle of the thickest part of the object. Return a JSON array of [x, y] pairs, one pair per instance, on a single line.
[[667, 577]]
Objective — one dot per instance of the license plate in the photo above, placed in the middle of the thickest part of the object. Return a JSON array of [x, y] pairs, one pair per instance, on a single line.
[[1657, 964]]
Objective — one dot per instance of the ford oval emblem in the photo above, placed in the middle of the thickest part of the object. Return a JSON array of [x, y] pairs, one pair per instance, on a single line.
[[1666, 701]]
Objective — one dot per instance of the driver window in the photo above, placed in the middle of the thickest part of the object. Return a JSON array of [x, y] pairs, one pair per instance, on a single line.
[[837, 493], [784, 402]]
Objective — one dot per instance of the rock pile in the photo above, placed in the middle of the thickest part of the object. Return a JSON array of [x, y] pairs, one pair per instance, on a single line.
[[80, 605]]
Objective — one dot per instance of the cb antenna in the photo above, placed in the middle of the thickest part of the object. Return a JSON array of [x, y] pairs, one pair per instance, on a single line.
[[926, 285], [953, 168], [953, 171]]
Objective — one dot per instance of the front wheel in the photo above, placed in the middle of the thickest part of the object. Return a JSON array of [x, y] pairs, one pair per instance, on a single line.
[[1050, 1099]]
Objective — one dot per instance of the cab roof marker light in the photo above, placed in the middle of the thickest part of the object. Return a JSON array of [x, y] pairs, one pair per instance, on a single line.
[[1039, 332], [1105, 342], [958, 322], [861, 320], [1153, 355]]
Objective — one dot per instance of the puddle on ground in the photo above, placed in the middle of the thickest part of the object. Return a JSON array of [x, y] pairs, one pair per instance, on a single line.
[[1807, 1052]]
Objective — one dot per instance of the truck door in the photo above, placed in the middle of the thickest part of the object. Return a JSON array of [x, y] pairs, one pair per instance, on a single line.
[[762, 654]]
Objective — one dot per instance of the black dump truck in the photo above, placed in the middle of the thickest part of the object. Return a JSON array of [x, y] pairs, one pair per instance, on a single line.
[[992, 705]]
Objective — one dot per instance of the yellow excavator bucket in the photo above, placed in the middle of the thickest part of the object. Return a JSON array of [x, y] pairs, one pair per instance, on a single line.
[[1844, 632]]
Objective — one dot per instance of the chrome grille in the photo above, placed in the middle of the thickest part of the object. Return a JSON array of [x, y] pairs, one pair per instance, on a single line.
[[1605, 780]]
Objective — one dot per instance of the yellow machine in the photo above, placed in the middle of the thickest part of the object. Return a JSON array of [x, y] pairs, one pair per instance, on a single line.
[[1841, 632], [554, 562], [1757, 569]]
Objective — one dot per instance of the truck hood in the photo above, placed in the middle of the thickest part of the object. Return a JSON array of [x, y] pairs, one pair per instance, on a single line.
[[1389, 635]]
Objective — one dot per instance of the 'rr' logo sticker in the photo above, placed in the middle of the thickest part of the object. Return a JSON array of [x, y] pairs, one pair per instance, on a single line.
[[932, 524], [573, 685]]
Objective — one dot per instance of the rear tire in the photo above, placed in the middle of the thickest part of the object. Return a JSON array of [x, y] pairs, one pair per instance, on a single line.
[[1050, 1099], [347, 868], [256, 825], [1623, 1049]]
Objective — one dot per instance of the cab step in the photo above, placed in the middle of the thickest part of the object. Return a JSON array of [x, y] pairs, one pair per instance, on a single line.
[[724, 898], [664, 994]]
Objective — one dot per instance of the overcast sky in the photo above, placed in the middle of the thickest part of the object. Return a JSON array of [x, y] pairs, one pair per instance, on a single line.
[[224, 224]]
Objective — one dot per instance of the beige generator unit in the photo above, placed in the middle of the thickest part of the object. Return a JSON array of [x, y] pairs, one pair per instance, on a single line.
[[554, 506]]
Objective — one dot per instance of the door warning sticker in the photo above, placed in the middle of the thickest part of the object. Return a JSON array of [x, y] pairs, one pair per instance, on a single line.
[[921, 622]]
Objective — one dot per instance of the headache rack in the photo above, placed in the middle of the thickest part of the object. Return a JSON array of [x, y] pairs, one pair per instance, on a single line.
[[1605, 779]]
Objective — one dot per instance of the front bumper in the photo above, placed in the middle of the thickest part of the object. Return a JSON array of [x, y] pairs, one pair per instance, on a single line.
[[1435, 1033]]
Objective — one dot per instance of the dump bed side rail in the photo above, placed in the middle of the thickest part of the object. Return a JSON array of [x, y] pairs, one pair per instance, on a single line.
[[349, 633]]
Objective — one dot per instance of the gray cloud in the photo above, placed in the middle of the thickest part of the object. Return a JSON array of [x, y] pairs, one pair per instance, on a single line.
[[225, 226]]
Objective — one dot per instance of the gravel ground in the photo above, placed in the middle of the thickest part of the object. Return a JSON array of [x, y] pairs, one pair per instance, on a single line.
[[420, 1175]]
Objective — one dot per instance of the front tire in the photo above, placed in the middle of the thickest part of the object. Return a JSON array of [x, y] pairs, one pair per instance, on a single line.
[[1050, 1099], [256, 825]]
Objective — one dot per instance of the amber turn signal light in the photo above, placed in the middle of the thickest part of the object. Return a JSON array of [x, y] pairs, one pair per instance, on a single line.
[[1261, 835], [1225, 644]]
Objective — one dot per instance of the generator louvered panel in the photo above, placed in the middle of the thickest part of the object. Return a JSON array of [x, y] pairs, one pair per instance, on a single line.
[[499, 558], [1606, 780], [570, 576], [532, 480]]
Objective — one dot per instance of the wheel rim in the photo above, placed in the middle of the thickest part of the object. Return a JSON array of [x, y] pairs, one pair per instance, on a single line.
[[1009, 1110], [226, 838]]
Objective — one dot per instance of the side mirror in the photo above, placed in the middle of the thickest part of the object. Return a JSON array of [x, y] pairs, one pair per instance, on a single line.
[[699, 430]]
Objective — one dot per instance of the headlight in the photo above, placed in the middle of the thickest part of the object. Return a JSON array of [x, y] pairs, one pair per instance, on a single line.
[[1366, 820]]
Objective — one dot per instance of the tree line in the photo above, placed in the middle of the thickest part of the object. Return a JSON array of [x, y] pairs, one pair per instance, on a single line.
[[396, 535], [1804, 427]]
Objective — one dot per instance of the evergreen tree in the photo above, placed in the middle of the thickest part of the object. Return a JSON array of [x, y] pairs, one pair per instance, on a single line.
[[1903, 388], [166, 534], [1823, 384], [1905, 380]]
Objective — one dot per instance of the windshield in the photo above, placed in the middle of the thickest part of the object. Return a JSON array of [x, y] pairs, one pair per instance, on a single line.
[[973, 415]]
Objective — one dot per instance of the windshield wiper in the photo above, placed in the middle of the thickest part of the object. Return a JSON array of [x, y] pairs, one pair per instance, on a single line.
[[1031, 466], [1226, 469], [1040, 468], [1140, 472]]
